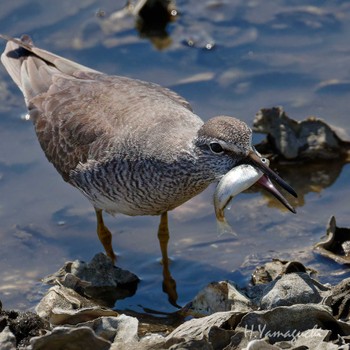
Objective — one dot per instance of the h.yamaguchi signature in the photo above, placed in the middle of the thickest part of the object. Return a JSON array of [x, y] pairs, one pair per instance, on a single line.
[[289, 334]]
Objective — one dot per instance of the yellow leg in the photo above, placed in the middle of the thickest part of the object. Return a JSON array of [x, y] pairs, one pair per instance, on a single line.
[[163, 237], [104, 235], [169, 284]]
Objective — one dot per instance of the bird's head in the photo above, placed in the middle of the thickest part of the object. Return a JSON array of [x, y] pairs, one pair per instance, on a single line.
[[225, 142]]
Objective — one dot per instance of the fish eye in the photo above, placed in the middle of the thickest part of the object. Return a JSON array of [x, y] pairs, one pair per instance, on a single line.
[[265, 161], [216, 147]]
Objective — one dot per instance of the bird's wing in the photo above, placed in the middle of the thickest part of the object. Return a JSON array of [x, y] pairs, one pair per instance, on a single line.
[[81, 114], [17, 52]]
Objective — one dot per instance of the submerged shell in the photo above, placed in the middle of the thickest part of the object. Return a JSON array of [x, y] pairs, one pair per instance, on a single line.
[[234, 182]]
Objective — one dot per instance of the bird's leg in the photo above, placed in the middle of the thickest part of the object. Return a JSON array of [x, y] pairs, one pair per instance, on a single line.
[[169, 284], [104, 235], [163, 237]]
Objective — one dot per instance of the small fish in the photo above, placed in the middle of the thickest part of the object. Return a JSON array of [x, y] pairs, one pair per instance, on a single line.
[[234, 182]]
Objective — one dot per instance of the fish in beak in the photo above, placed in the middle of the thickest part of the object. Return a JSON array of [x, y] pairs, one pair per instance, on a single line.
[[253, 169]]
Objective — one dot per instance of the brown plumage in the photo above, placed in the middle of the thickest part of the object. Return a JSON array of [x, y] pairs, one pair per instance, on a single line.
[[129, 146]]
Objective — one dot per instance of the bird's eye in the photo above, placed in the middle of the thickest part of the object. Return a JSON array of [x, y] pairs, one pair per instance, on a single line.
[[216, 148]]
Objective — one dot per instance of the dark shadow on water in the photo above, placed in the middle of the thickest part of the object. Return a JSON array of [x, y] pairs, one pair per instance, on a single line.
[[306, 177]]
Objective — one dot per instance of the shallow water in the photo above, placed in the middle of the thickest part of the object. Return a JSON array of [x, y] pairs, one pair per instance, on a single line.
[[262, 55]]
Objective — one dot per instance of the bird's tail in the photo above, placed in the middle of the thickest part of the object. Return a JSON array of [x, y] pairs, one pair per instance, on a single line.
[[32, 68]]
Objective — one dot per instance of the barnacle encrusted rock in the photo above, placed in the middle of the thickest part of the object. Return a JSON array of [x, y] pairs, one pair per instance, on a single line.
[[311, 138]]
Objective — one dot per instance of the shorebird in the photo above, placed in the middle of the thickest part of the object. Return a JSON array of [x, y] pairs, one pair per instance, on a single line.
[[129, 146]]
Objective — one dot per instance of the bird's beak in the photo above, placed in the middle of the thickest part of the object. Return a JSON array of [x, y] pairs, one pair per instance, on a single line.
[[265, 181]]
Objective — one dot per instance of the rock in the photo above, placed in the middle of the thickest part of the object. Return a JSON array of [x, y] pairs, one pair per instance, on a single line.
[[340, 300], [150, 17], [240, 340], [22, 325], [155, 14], [73, 317], [312, 143], [126, 336], [286, 323], [60, 297], [77, 338], [126, 330], [7, 339], [216, 297], [148, 342], [276, 268], [210, 332], [26, 325], [292, 315], [309, 139], [260, 344], [314, 339], [101, 272], [99, 279], [337, 243], [107, 327], [293, 288], [62, 305], [126, 333]]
